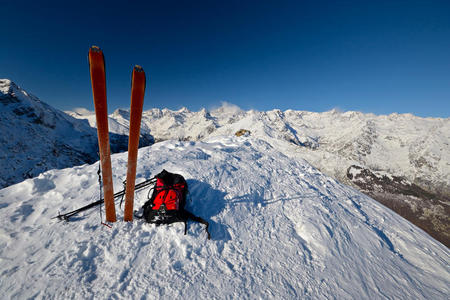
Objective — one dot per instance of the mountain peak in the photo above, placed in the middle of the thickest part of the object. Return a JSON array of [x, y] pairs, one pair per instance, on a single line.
[[183, 110], [5, 82], [81, 111], [8, 87], [121, 112], [12, 93], [38, 137]]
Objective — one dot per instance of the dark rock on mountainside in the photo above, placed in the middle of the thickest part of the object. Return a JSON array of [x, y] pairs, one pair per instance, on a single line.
[[429, 211]]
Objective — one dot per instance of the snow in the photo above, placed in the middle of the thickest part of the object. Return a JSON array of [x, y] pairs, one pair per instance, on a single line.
[[5, 85], [280, 229]]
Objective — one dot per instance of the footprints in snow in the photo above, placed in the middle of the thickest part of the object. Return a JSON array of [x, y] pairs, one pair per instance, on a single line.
[[84, 261], [22, 213]]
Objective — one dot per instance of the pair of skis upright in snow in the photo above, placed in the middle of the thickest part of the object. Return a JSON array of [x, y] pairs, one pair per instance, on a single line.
[[98, 80]]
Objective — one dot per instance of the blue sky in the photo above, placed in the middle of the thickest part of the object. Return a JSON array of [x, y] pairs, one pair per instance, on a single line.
[[370, 56]]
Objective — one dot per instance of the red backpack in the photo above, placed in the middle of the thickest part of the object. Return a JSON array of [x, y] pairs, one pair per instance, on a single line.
[[166, 205]]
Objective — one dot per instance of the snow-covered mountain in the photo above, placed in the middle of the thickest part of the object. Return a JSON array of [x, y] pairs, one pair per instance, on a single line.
[[37, 137], [280, 230], [414, 150]]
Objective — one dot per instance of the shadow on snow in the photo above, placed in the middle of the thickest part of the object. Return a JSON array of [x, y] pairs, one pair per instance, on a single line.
[[206, 202]]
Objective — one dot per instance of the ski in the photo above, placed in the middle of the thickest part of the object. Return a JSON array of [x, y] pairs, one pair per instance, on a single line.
[[98, 81], [137, 101]]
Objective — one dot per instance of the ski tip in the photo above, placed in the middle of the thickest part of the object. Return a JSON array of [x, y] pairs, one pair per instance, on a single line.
[[138, 68], [95, 49], [96, 54]]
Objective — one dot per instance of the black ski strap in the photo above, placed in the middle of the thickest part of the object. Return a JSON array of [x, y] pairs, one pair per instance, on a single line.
[[138, 216], [99, 173], [124, 191]]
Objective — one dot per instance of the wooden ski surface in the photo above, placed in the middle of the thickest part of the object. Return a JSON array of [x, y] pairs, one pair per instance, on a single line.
[[98, 80], [137, 102]]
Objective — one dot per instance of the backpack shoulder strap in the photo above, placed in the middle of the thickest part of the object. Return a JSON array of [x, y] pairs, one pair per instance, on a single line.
[[188, 215]]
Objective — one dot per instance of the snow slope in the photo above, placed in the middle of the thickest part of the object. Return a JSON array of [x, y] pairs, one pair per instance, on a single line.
[[280, 229]]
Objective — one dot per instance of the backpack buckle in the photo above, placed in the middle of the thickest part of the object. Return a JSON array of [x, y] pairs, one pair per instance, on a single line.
[[162, 208]]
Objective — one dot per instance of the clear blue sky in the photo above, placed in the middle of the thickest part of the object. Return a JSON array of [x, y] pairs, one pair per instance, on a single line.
[[371, 56]]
